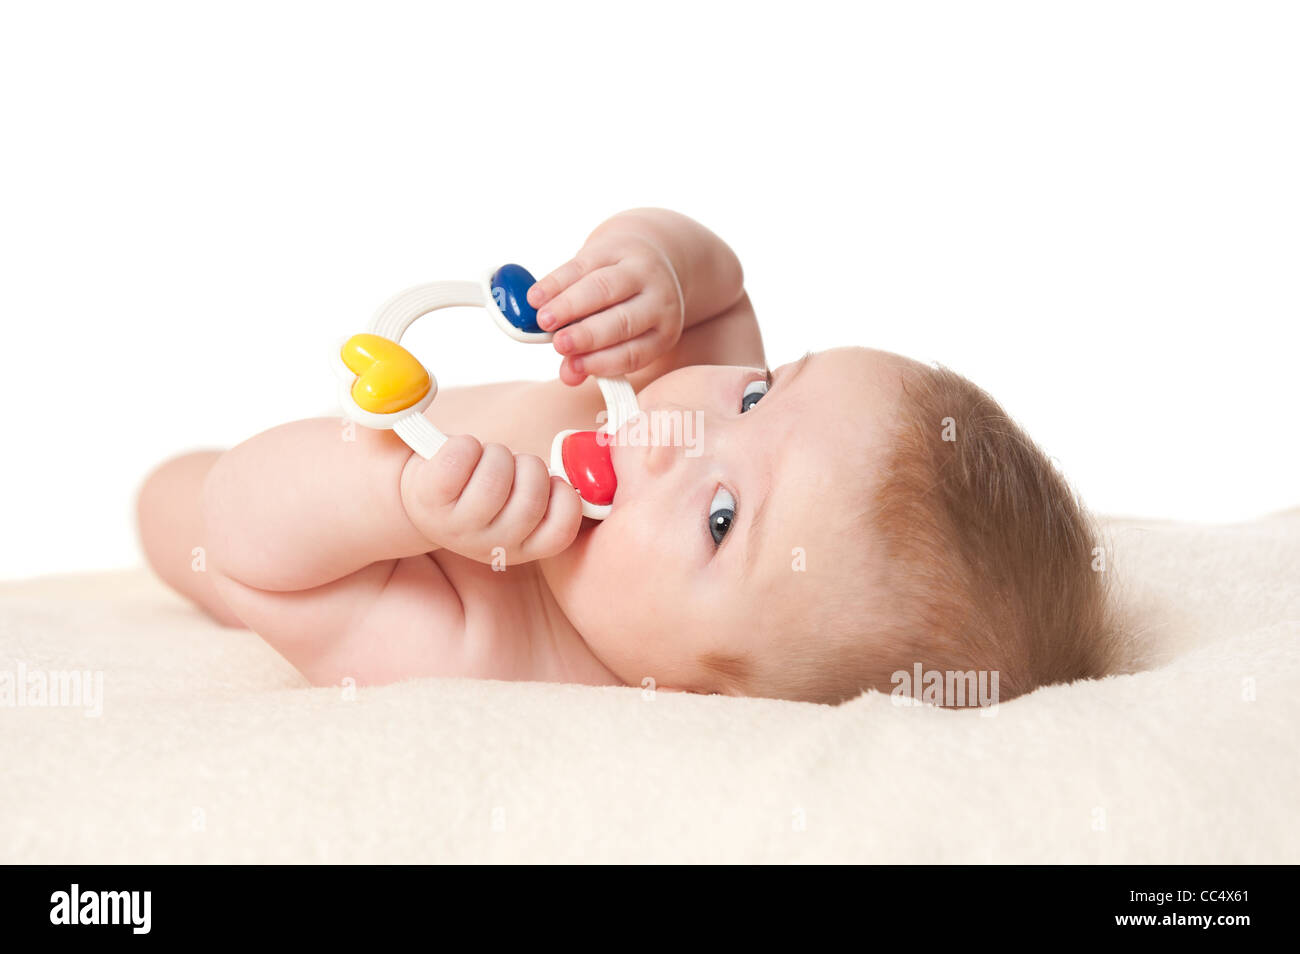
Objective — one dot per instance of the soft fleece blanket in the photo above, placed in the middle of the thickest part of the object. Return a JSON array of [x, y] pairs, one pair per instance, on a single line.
[[210, 748]]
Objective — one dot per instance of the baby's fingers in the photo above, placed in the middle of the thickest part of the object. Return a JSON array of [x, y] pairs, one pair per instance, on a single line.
[[593, 292], [551, 284], [607, 328], [525, 507], [432, 485], [559, 527], [623, 358], [595, 289], [590, 258], [488, 489]]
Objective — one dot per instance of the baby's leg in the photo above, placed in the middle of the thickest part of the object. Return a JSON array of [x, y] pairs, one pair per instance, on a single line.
[[170, 526]]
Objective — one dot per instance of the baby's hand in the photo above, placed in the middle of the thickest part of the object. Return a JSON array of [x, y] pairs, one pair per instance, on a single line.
[[489, 504], [619, 305]]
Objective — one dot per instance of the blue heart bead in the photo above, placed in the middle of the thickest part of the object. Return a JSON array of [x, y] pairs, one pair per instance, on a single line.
[[510, 284]]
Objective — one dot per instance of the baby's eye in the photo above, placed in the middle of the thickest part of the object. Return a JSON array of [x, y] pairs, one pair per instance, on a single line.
[[722, 513], [754, 392]]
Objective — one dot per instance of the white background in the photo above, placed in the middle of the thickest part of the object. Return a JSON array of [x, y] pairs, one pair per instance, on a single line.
[[1090, 209]]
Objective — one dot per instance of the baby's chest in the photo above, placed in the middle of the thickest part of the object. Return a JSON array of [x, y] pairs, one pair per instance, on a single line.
[[495, 616], [432, 619]]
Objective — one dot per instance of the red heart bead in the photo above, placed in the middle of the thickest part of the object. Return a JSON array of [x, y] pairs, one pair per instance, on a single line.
[[588, 466]]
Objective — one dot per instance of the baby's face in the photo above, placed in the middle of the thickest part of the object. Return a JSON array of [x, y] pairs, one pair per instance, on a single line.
[[728, 526]]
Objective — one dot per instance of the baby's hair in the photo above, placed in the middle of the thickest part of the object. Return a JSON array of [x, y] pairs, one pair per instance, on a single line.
[[978, 556], [990, 560]]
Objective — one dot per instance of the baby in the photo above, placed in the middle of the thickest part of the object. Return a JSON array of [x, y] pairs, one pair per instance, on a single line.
[[835, 523]]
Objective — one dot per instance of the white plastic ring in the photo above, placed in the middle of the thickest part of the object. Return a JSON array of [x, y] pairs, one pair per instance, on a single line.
[[393, 319]]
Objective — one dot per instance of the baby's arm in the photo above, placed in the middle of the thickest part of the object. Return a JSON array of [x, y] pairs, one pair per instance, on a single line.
[[323, 545], [651, 290], [299, 505], [720, 328]]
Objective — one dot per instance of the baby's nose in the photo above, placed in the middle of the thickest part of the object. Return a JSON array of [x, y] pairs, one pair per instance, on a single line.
[[660, 457], [653, 444]]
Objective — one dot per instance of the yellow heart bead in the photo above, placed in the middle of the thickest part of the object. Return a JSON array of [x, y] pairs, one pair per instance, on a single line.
[[389, 378]]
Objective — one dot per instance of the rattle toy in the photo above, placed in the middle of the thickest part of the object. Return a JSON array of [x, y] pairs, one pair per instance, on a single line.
[[384, 386]]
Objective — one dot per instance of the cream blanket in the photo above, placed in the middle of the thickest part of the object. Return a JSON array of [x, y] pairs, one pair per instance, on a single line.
[[208, 747]]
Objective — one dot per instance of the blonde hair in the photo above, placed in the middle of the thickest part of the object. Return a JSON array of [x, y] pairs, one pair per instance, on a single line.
[[985, 559]]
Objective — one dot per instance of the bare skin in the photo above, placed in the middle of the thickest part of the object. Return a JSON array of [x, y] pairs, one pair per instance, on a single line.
[[356, 559], [307, 538]]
